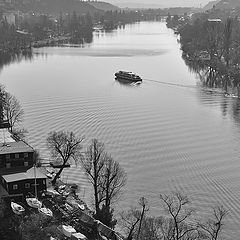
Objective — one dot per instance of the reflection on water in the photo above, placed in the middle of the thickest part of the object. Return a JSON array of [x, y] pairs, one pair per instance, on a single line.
[[82, 39], [127, 83], [229, 106], [168, 133], [6, 59]]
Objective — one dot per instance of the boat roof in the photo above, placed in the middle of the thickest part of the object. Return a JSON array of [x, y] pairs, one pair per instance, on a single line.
[[127, 72], [29, 174]]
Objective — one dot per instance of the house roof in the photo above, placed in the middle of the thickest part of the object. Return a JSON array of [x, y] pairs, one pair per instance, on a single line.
[[5, 136], [8, 143], [29, 174], [14, 147]]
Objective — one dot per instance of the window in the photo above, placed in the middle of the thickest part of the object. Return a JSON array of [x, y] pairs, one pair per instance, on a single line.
[[25, 155], [7, 156], [8, 165], [15, 187], [27, 185], [25, 164], [16, 155]]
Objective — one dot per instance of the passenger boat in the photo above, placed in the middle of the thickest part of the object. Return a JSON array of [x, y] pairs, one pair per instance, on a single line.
[[33, 202], [17, 208], [45, 211], [127, 76]]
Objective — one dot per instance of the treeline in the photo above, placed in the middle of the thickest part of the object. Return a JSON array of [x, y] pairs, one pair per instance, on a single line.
[[112, 19], [10, 40], [211, 46], [76, 28], [178, 221]]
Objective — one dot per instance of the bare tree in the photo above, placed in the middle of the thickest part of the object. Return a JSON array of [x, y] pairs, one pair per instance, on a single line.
[[213, 227], [113, 180], [178, 223], [63, 147], [93, 165], [129, 220], [176, 206], [143, 202], [13, 110], [107, 178], [2, 100]]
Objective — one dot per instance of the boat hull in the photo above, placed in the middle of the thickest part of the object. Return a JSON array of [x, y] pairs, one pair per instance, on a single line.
[[33, 202], [68, 230], [45, 211], [17, 208]]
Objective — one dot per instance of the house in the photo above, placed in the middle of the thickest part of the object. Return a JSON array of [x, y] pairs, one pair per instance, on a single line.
[[23, 183], [15, 155], [16, 167]]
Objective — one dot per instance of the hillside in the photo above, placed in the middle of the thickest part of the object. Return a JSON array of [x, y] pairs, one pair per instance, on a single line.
[[210, 5], [157, 3], [228, 4], [103, 6], [57, 6]]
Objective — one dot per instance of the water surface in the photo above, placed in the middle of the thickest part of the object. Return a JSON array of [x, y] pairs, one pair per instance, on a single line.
[[168, 133]]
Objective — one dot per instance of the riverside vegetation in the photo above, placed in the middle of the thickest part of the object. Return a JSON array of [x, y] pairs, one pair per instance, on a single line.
[[211, 46]]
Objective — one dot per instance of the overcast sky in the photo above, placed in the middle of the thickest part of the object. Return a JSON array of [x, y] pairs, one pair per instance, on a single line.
[[165, 3]]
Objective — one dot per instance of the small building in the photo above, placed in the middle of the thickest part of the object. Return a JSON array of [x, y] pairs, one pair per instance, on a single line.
[[23, 183], [15, 155]]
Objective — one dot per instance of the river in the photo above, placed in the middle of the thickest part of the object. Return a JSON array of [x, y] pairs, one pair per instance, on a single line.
[[169, 133]]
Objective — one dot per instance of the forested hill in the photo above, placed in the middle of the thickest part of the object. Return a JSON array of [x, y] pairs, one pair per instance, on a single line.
[[57, 6], [228, 4], [104, 6]]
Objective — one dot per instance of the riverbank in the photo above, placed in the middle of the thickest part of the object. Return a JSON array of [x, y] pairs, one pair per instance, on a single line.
[[211, 48], [50, 41]]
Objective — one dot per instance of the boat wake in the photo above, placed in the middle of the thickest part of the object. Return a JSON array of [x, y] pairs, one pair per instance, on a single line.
[[170, 84]]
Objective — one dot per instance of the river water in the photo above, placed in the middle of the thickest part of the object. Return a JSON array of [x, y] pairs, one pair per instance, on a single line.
[[169, 133]]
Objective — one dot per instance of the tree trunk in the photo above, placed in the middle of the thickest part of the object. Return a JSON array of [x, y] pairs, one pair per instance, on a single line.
[[97, 209], [58, 174], [140, 224], [238, 91]]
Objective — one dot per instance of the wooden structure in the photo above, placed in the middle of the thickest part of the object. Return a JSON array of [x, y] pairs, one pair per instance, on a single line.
[[25, 183]]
